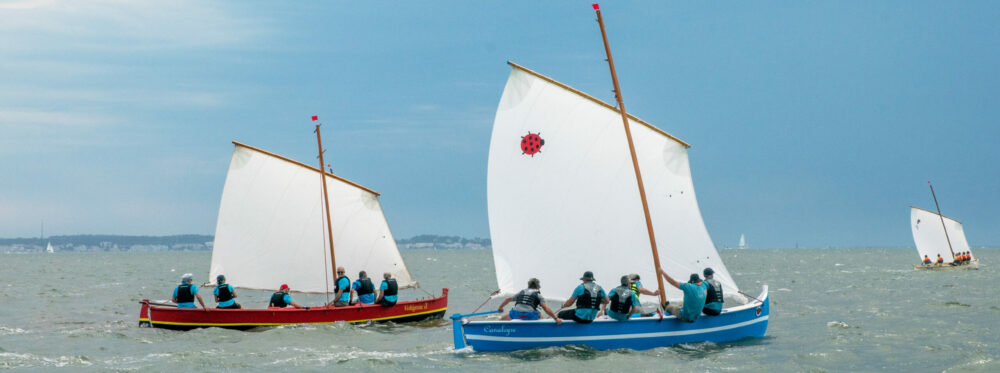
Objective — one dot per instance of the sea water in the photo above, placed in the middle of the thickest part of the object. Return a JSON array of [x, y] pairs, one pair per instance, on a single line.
[[831, 310]]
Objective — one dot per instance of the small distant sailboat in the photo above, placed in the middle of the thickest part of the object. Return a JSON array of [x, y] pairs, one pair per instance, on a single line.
[[934, 233], [49, 249], [743, 242]]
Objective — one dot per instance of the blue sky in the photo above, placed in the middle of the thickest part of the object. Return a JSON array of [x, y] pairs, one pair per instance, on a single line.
[[812, 123]]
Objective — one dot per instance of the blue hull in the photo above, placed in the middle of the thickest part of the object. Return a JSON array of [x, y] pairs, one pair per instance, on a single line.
[[736, 323]]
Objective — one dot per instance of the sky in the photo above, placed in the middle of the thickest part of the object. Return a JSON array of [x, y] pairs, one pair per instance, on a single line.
[[812, 123]]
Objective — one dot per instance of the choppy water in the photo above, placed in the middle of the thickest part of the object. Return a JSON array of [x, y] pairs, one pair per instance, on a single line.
[[831, 310]]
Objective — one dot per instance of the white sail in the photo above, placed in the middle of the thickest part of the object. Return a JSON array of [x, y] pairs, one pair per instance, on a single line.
[[743, 242], [271, 227], [573, 204], [929, 235], [49, 248]]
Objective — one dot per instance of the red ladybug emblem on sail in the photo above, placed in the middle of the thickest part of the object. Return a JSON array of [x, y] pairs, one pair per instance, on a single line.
[[531, 143]]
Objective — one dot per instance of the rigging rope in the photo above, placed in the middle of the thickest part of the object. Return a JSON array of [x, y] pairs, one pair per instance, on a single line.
[[487, 301]]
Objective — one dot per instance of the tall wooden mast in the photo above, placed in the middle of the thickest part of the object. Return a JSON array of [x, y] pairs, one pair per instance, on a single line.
[[326, 202], [635, 161], [942, 221]]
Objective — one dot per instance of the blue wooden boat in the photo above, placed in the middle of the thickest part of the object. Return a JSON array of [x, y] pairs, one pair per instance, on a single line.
[[642, 333]]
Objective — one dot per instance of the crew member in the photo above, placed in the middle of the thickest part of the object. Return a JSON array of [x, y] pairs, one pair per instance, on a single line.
[[637, 289], [940, 260], [713, 299], [186, 292], [387, 291], [281, 299], [694, 297], [364, 288], [623, 301], [927, 260], [225, 295], [526, 303], [590, 301], [343, 289]]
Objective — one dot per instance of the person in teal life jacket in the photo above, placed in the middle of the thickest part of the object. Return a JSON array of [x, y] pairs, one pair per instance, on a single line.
[[186, 293], [526, 303], [714, 298], [637, 289], [281, 299], [364, 288], [343, 289], [225, 295], [623, 303], [590, 301], [694, 297], [387, 291], [927, 260]]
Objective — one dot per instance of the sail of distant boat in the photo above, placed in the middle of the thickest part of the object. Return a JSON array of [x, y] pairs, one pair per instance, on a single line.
[[743, 242], [930, 238], [562, 198], [271, 228], [49, 248]]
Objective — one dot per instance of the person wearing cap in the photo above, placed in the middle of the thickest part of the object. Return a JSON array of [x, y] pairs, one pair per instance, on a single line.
[[694, 297], [713, 299], [590, 301], [387, 291], [281, 299], [364, 288], [623, 302], [526, 303], [186, 293], [637, 289], [225, 295], [343, 288]]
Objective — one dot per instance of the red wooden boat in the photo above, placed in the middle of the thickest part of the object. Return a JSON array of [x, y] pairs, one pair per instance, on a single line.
[[278, 225], [168, 317]]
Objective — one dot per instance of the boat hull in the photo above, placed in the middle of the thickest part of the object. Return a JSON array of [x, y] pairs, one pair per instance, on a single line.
[[974, 264], [749, 320], [243, 319]]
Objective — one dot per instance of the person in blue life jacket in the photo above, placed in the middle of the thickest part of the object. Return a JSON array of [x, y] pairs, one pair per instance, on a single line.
[[590, 301], [343, 289], [225, 295], [623, 303], [364, 288], [526, 303], [387, 291], [714, 298], [186, 293], [637, 289], [695, 293], [281, 299]]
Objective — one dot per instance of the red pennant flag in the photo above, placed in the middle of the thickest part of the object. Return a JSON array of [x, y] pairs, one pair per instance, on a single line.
[[596, 7], [315, 118]]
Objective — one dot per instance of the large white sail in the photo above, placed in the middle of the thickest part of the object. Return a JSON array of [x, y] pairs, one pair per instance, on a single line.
[[271, 228], [563, 198], [929, 235]]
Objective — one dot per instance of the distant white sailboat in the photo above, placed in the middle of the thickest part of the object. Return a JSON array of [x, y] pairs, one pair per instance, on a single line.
[[49, 249], [743, 242], [934, 233]]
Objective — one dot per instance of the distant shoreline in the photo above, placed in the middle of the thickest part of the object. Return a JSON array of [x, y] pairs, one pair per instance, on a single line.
[[196, 242]]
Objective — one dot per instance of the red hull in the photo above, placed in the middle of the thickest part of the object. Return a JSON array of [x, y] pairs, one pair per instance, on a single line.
[[186, 319]]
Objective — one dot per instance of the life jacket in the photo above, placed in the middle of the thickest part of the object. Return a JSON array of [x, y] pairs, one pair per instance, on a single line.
[[591, 297], [940, 260], [366, 286], [224, 293], [635, 290], [336, 283], [278, 300], [528, 297], [184, 293], [714, 291], [622, 301], [391, 288], [927, 260]]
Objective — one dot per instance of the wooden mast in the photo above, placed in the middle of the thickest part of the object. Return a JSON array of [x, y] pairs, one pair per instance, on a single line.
[[942, 221], [326, 202], [635, 161]]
